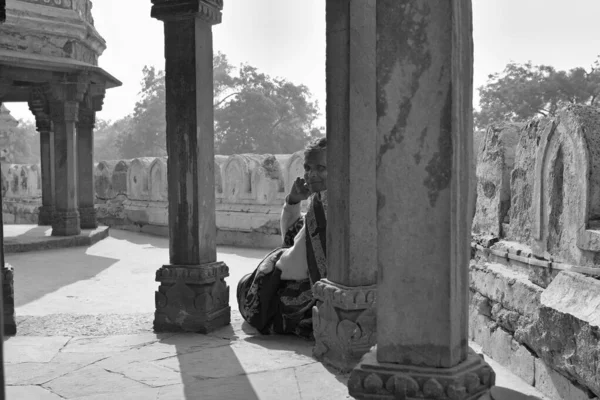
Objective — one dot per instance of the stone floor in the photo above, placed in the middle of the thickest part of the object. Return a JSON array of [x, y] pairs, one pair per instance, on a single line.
[[84, 318]]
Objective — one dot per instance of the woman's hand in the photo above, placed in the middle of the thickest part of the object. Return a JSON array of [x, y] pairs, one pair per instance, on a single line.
[[298, 192]]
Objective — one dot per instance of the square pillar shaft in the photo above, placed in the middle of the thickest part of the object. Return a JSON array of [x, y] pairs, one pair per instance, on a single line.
[[85, 168], [193, 295], [7, 301], [424, 134], [66, 215], [344, 318]]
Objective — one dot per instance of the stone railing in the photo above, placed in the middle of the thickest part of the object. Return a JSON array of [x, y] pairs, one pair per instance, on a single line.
[[535, 287], [132, 194]]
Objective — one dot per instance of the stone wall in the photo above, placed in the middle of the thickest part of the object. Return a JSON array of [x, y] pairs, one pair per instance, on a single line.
[[535, 272], [132, 194]]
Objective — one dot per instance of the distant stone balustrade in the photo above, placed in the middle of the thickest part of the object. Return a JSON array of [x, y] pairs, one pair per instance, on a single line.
[[133, 194]]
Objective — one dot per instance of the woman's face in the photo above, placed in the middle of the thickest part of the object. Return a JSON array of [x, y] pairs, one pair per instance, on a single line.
[[315, 171]]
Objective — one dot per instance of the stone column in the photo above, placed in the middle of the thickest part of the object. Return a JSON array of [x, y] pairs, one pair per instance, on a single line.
[[192, 295], [344, 318], [6, 271], [424, 134], [64, 110], [85, 156], [39, 107]]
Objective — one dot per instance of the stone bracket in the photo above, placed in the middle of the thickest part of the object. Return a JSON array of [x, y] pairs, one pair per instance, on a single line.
[[468, 380], [344, 323]]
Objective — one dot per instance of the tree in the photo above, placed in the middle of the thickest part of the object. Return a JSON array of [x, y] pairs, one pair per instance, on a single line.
[[253, 113], [23, 143], [523, 91], [267, 115], [144, 134], [106, 134]]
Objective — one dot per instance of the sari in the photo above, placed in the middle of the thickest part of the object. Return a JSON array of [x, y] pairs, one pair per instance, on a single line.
[[276, 306]]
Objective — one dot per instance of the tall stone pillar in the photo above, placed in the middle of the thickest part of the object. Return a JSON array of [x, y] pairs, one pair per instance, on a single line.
[[424, 128], [6, 271], [39, 107], [85, 156], [192, 295], [344, 317], [64, 111]]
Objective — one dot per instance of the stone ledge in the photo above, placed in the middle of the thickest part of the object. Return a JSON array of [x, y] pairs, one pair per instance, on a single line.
[[23, 243]]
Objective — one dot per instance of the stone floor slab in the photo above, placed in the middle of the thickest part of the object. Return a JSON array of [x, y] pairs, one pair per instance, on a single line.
[[316, 382], [116, 343], [93, 380], [20, 349], [30, 392]]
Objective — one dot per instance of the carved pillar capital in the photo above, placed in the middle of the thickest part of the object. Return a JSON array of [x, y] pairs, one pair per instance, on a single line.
[[68, 88], [38, 104], [86, 118], [207, 10]]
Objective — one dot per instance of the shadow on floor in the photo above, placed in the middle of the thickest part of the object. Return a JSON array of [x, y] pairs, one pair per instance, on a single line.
[[139, 238], [502, 393], [39, 273]]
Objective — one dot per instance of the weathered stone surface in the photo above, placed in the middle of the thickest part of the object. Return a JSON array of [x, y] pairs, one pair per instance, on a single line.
[[556, 386], [502, 285], [509, 353], [344, 322], [30, 392], [494, 165], [22, 349], [565, 334], [521, 182]]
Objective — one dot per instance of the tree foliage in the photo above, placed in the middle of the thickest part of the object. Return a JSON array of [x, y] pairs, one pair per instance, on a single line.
[[22, 144], [523, 91], [253, 113]]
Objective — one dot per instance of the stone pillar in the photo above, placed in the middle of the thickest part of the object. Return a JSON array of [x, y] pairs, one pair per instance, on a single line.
[[344, 318], [39, 107], [7, 279], [192, 295], [85, 156], [64, 111], [424, 133]]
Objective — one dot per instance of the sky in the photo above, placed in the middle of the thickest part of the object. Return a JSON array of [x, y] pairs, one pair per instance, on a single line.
[[286, 38]]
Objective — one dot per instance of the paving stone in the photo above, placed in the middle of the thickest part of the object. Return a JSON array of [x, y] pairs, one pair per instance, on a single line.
[[239, 358], [115, 343], [20, 349], [149, 373], [136, 394], [92, 380], [316, 382], [30, 392]]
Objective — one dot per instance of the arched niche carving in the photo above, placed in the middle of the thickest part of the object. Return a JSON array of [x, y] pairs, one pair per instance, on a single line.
[[158, 180], [138, 186], [237, 178], [119, 177], [561, 190], [103, 179], [220, 162], [267, 179], [293, 168]]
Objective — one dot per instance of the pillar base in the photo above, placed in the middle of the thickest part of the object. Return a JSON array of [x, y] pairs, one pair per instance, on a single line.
[[65, 223], [344, 323], [468, 380], [45, 215], [87, 218], [192, 298], [8, 300]]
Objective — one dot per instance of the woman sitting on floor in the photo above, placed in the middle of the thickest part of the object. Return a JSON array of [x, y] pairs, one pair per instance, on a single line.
[[277, 297]]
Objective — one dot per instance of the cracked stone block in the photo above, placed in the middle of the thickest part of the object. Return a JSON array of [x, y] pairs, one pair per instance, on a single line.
[[21, 349], [556, 386], [30, 392], [106, 344]]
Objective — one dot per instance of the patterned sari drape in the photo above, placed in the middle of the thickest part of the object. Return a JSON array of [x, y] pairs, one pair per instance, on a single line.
[[273, 305]]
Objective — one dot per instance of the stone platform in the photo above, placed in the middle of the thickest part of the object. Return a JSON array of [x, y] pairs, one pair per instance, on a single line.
[[84, 318], [22, 238]]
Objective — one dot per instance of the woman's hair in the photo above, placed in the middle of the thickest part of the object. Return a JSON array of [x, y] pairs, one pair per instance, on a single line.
[[316, 145]]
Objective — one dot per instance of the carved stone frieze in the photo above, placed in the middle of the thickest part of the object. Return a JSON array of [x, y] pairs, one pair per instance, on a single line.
[[45, 215], [192, 298], [51, 3], [65, 223], [344, 323], [87, 218], [208, 10], [468, 380], [8, 300]]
